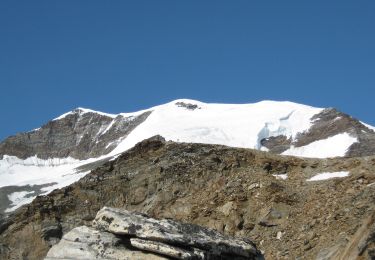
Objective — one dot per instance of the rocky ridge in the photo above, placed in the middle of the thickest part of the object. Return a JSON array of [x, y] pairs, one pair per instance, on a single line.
[[328, 123], [79, 134], [235, 191], [120, 234], [82, 134]]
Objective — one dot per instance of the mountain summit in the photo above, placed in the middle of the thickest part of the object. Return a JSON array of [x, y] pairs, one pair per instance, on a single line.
[[66, 148]]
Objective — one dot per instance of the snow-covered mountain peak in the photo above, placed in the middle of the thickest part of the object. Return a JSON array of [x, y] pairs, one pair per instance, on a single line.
[[239, 125], [81, 111]]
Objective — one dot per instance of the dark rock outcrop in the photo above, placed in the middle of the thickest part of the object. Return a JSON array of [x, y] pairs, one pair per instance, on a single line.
[[328, 123], [331, 122], [276, 144], [80, 135], [187, 105]]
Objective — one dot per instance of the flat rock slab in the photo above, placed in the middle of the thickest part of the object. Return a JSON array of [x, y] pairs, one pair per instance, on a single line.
[[87, 243], [120, 234], [168, 250], [212, 243]]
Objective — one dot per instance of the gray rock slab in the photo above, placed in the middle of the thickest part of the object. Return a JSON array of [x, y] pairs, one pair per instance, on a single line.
[[122, 222], [168, 250], [87, 243]]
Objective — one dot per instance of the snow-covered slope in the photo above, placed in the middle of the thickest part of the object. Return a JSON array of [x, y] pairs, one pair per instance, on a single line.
[[331, 147], [237, 125], [233, 125]]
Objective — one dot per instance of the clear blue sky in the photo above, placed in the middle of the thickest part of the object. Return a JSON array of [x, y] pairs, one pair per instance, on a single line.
[[121, 56]]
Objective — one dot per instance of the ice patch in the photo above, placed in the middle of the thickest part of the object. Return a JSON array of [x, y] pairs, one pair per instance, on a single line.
[[36, 171], [333, 146], [328, 175], [18, 199]]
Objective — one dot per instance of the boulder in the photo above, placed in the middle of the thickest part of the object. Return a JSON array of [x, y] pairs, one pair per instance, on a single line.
[[87, 243], [122, 222], [121, 234]]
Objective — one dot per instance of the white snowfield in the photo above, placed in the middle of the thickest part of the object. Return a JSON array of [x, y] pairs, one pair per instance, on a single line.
[[236, 125], [331, 147], [280, 176], [328, 175]]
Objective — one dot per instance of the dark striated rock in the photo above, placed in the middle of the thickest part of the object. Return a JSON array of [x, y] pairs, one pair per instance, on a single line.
[[187, 105], [328, 123], [79, 135], [331, 122], [276, 144]]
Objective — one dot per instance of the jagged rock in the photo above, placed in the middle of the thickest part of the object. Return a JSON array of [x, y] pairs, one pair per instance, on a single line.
[[122, 222], [276, 144], [121, 234], [327, 123], [331, 122], [187, 105], [79, 134], [51, 231]]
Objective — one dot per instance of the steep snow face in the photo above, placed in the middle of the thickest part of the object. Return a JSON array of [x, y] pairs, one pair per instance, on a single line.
[[333, 146], [233, 125]]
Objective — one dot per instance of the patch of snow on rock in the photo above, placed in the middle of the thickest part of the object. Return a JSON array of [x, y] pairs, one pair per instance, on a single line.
[[328, 175], [19, 198], [35, 171], [81, 111], [280, 176], [369, 126], [333, 146]]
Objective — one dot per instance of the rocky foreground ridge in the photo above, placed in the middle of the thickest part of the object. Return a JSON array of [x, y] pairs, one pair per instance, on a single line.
[[120, 234], [269, 199]]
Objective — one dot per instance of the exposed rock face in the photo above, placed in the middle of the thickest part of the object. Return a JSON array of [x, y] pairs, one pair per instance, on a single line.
[[227, 189], [328, 123], [116, 229], [187, 105], [80, 135], [276, 144]]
